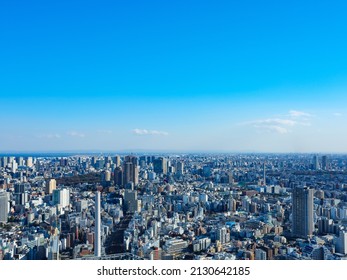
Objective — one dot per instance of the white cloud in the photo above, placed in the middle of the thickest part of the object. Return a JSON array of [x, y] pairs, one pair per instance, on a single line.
[[273, 128], [276, 125], [282, 125], [76, 134], [49, 136], [138, 131], [275, 121], [298, 114]]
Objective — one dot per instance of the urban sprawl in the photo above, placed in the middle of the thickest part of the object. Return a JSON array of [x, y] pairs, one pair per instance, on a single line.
[[173, 207]]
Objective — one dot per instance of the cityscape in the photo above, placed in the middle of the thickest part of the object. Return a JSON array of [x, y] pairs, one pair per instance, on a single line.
[[173, 207], [173, 130]]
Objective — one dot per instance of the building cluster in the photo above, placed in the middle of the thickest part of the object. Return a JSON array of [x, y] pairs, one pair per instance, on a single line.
[[174, 206]]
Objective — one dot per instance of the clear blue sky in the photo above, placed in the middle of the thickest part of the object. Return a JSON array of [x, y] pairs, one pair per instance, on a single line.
[[173, 75]]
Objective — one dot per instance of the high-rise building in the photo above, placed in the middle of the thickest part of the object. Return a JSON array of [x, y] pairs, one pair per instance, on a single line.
[[160, 165], [94, 159], [131, 203], [118, 176], [61, 197], [130, 170], [29, 161], [108, 159], [20, 196], [20, 161], [51, 186], [302, 199], [341, 243], [53, 249], [3, 162], [143, 161], [223, 235], [97, 240], [325, 163], [315, 163], [116, 160], [107, 175], [106, 178], [180, 167], [81, 205], [3, 207], [14, 166]]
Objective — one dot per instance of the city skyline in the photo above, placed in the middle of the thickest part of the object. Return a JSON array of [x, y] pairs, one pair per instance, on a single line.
[[197, 76], [170, 207]]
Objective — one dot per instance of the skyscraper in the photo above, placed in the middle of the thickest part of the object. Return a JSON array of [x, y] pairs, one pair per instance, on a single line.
[[118, 176], [130, 170], [14, 166], [325, 163], [302, 198], [106, 178], [116, 160], [160, 165], [131, 203], [97, 240], [19, 193], [3, 207], [52, 185], [341, 244], [3, 162], [180, 167], [53, 249], [29, 162], [315, 163], [61, 197]]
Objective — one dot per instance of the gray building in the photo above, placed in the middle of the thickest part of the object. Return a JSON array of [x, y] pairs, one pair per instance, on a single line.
[[303, 225], [3, 207]]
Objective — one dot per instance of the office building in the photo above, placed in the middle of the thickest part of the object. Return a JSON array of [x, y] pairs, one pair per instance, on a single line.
[[302, 199], [223, 235], [325, 163], [180, 167], [160, 165], [61, 197], [116, 160], [29, 162], [315, 163], [118, 176], [3, 207], [3, 162], [131, 203], [51, 186], [130, 170], [341, 242]]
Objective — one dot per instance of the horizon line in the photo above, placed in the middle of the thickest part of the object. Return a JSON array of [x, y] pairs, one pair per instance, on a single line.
[[9, 152]]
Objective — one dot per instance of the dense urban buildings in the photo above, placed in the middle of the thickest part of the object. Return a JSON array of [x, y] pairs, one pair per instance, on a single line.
[[173, 206]]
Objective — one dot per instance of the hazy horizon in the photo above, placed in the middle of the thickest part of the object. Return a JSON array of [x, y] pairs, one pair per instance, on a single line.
[[153, 152]]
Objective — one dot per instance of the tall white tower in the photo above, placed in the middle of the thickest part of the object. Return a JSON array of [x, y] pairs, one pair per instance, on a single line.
[[97, 240], [3, 207]]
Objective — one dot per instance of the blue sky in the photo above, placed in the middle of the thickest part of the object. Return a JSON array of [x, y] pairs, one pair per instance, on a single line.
[[186, 75]]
